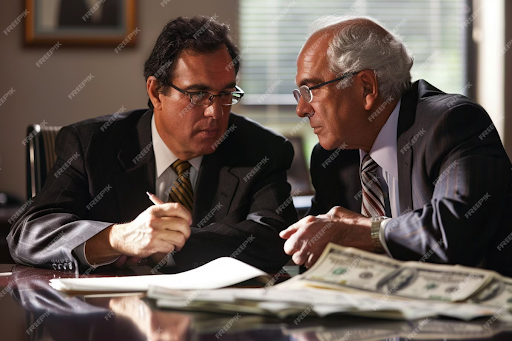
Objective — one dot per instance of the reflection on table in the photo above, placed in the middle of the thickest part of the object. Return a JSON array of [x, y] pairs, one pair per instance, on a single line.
[[51, 315]]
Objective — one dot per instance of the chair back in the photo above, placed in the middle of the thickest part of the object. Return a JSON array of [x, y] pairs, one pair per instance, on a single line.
[[41, 155]]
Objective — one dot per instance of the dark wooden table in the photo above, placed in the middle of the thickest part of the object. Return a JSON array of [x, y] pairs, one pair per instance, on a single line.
[[31, 310]]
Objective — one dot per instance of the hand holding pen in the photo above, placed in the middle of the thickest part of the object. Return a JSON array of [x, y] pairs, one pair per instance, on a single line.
[[160, 229]]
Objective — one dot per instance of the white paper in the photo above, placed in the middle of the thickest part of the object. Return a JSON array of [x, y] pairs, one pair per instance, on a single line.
[[218, 273]]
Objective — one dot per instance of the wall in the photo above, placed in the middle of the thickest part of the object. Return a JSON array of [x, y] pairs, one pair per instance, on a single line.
[[489, 35], [41, 93]]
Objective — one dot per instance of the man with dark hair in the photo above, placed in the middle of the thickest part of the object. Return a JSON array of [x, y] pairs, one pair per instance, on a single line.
[[218, 198], [173, 40]]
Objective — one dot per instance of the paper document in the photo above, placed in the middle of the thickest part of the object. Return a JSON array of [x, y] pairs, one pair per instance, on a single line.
[[218, 273]]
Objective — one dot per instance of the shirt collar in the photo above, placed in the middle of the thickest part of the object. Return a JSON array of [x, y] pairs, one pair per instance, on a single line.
[[384, 149], [163, 155]]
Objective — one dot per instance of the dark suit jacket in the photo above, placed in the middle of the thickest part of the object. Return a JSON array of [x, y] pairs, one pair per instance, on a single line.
[[455, 185], [119, 162]]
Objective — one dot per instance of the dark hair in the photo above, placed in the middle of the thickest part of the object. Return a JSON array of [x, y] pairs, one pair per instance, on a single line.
[[199, 34]]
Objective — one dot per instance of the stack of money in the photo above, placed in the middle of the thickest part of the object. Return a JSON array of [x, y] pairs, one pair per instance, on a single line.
[[355, 282], [350, 270]]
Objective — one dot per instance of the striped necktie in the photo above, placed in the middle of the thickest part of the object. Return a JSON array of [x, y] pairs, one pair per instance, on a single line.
[[373, 198], [181, 190]]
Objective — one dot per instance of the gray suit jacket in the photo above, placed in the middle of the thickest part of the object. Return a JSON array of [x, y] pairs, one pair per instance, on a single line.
[[455, 183], [101, 176]]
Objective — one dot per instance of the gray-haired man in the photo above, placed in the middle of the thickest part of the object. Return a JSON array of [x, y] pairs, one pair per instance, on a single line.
[[427, 170]]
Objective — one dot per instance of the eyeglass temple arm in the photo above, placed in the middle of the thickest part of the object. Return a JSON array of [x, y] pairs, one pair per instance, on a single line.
[[334, 80]]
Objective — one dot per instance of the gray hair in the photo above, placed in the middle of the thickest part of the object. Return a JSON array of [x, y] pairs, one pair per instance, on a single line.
[[357, 46]]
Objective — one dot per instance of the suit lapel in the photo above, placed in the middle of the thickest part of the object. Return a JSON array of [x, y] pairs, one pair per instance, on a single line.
[[215, 184], [137, 159], [405, 132]]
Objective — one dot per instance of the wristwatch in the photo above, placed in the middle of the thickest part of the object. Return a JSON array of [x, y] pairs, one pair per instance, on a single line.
[[375, 233]]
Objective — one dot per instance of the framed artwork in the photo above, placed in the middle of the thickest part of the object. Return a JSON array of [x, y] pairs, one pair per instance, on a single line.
[[81, 22]]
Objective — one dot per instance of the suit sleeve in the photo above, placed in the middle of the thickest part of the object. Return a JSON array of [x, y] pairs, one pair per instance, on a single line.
[[470, 176], [50, 229], [255, 239]]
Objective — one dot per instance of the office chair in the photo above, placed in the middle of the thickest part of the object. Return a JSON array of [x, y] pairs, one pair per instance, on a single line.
[[41, 155]]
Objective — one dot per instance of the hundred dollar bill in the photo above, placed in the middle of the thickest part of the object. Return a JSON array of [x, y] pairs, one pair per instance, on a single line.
[[497, 293], [424, 329], [352, 269]]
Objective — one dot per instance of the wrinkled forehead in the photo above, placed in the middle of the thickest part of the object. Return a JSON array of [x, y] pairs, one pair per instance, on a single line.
[[312, 61]]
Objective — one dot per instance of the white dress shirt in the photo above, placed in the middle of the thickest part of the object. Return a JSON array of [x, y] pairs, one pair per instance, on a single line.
[[384, 152], [165, 178], [165, 175]]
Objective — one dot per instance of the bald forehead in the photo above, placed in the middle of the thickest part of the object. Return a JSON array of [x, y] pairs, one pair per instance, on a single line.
[[317, 43]]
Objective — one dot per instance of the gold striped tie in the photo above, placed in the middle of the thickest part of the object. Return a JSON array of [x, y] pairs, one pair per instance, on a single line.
[[181, 190]]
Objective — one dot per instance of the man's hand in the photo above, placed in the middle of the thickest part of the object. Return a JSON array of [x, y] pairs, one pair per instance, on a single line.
[[160, 228], [308, 237]]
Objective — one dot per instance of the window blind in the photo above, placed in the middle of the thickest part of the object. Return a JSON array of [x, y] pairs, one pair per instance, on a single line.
[[272, 33]]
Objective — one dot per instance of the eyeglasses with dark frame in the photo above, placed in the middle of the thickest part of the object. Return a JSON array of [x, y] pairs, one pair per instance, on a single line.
[[205, 98], [305, 91]]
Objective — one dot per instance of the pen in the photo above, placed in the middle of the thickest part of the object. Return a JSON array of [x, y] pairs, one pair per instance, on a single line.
[[154, 199]]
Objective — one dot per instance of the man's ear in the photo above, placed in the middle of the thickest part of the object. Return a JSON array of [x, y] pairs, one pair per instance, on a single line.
[[370, 88], [152, 89]]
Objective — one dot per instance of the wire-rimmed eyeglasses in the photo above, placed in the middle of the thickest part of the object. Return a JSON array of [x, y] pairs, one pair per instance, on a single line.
[[205, 98], [305, 91]]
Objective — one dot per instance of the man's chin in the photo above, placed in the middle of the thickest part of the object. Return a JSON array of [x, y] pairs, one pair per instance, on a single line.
[[327, 144], [201, 149], [331, 145], [208, 148], [206, 145]]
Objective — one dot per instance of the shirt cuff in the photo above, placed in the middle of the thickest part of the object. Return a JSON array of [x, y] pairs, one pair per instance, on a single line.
[[382, 236], [80, 253]]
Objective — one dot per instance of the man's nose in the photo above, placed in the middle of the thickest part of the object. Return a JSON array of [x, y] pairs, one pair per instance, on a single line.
[[215, 110], [303, 108]]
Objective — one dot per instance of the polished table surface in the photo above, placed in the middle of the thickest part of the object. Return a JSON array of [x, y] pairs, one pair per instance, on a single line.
[[31, 310]]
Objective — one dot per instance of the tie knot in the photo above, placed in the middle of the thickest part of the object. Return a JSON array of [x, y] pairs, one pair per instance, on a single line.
[[180, 167], [368, 164]]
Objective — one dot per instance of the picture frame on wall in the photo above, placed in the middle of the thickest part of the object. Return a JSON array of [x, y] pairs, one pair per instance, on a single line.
[[80, 22]]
